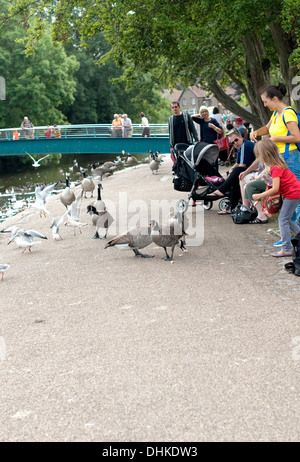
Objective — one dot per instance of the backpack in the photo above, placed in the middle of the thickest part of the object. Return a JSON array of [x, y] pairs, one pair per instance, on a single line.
[[286, 152]]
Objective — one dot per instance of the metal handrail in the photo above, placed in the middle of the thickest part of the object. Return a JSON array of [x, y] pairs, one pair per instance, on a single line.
[[82, 130]]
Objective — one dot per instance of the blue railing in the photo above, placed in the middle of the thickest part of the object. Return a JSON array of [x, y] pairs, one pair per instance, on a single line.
[[87, 130]]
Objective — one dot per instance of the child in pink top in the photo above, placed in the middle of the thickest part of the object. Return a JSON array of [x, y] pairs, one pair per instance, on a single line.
[[285, 182]]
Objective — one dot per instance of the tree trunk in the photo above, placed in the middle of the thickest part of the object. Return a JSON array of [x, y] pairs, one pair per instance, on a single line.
[[232, 105], [284, 47], [257, 73]]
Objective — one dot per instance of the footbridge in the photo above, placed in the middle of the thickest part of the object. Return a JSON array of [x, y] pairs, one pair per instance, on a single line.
[[83, 139]]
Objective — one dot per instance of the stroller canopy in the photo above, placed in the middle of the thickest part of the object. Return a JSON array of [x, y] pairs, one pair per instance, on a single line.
[[195, 153]]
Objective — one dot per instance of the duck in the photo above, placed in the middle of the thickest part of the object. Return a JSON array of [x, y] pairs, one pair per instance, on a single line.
[[166, 236], [87, 184], [67, 196], [134, 239], [101, 219]]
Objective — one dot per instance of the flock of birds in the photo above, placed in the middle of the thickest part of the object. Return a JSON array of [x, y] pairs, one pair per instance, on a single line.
[[167, 236]]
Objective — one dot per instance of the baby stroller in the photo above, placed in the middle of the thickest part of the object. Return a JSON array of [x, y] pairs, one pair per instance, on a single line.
[[193, 169]]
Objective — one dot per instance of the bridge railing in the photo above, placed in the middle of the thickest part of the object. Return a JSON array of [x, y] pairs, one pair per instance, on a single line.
[[82, 131]]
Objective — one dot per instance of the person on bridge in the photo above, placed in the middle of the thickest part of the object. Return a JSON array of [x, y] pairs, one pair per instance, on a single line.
[[56, 131], [127, 126], [116, 127], [181, 128], [28, 128], [145, 124]]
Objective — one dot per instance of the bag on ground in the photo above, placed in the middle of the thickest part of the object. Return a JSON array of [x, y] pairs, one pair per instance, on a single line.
[[242, 215]]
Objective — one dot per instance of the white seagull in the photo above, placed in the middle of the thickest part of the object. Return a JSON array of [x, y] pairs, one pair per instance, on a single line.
[[73, 214], [25, 239], [3, 267], [36, 163], [41, 196], [55, 227]]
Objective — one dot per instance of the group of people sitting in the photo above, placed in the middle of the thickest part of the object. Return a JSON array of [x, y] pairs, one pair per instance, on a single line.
[[267, 167]]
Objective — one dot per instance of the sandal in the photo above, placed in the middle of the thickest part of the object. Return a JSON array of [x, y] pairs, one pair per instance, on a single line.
[[214, 196], [224, 212], [257, 221]]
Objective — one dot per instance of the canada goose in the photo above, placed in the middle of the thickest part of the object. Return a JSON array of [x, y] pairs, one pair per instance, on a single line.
[[131, 160], [102, 219], [67, 196], [135, 239], [87, 185], [99, 204], [154, 164], [3, 267], [165, 237], [109, 165]]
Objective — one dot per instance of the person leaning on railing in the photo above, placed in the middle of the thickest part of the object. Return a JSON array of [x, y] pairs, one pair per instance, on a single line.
[[116, 127]]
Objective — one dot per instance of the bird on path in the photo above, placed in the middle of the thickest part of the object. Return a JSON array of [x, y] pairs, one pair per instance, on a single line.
[[168, 236], [25, 239], [154, 164], [67, 196], [41, 195], [73, 214], [3, 267], [87, 184], [55, 227], [36, 163], [99, 204], [101, 219], [135, 239], [132, 161]]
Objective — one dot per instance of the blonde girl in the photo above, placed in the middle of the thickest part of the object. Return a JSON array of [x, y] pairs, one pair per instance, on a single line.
[[285, 183]]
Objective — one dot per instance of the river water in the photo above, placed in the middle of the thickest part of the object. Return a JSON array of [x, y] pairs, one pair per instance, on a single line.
[[17, 188]]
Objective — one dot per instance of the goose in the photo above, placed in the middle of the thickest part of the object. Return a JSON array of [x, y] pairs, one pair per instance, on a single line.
[[165, 237], [67, 196], [99, 204], [3, 267], [41, 195], [134, 240], [154, 164], [101, 219], [131, 160], [87, 185], [109, 165], [25, 239]]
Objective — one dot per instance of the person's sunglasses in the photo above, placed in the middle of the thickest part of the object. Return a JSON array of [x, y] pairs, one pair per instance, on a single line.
[[234, 141]]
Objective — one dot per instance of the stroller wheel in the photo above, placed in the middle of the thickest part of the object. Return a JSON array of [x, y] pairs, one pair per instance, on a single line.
[[224, 204], [227, 164], [207, 205], [181, 205]]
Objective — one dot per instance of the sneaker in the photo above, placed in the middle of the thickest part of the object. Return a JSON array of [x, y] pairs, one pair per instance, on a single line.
[[279, 243]]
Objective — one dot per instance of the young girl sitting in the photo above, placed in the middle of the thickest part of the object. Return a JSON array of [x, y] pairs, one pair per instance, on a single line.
[[285, 182]]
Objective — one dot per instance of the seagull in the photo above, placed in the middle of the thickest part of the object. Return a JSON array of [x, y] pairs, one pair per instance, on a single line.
[[55, 227], [36, 163], [74, 213], [25, 239], [41, 196], [3, 267]]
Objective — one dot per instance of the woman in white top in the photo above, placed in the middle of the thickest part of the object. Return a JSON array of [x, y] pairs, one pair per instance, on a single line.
[[145, 124]]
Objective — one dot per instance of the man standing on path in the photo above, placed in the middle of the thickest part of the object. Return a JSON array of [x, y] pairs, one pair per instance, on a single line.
[[28, 128], [181, 128]]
